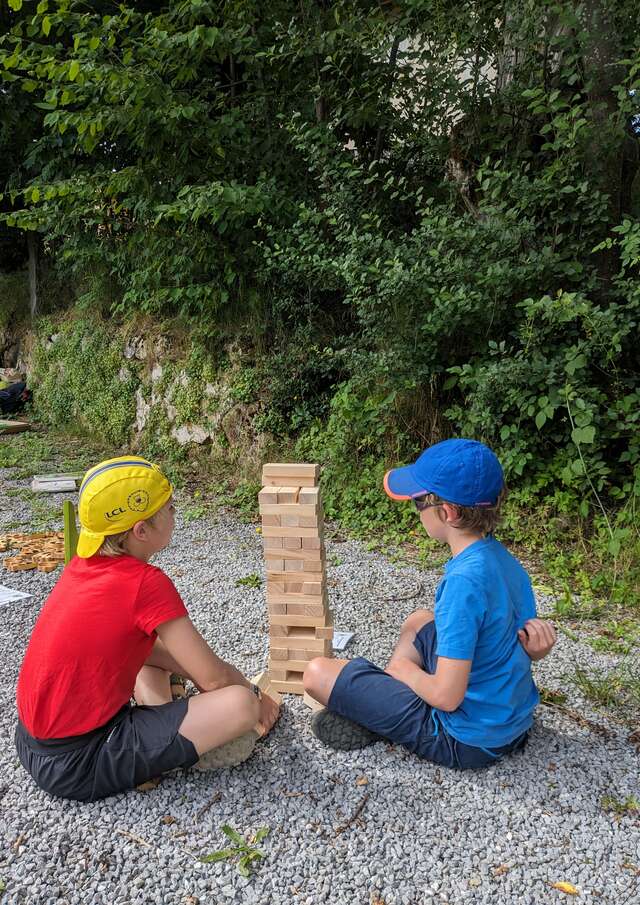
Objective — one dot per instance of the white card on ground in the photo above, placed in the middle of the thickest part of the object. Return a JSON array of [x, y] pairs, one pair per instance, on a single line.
[[341, 639], [9, 595]]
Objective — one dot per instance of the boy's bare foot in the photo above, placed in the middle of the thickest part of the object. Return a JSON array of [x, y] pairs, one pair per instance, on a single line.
[[338, 732]]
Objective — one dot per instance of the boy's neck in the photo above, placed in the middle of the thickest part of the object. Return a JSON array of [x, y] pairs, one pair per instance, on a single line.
[[459, 541]]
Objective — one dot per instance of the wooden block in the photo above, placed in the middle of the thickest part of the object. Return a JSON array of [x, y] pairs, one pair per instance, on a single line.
[[295, 653], [269, 481], [275, 565], [268, 496], [293, 665], [308, 521], [292, 621], [312, 599], [283, 587], [291, 686], [288, 494], [287, 577], [292, 543], [271, 521], [278, 631], [291, 469], [300, 638], [307, 566], [293, 565], [279, 653], [305, 609], [310, 555], [309, 542], [311, 703], [263, 683], [289, 509], [272, 543], [277, 609], [306, 533], [287, 521], [279, 674], [324, 632], [312, 587], [309, 496]]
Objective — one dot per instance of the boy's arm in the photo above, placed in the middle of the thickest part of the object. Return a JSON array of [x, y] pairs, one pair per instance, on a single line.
[[445, 689], [186, 645], [537, 637]]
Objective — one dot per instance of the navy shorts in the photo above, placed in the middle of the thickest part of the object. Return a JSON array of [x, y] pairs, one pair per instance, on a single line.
[[137, 744], [371, 697]]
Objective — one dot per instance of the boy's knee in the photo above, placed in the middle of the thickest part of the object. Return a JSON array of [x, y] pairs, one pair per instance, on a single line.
[[244, 703], [416, 620], [313, 675]]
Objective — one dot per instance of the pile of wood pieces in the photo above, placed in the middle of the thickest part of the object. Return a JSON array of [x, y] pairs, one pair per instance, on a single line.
[[300, 621], [43, 551]]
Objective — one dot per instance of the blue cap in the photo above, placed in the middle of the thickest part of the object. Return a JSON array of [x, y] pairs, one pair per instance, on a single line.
[[459, 471]]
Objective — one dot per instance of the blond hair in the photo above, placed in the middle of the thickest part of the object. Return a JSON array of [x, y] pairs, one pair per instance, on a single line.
[[115, 544]]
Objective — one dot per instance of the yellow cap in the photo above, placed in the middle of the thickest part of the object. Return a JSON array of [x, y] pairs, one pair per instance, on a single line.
[[116, 494]]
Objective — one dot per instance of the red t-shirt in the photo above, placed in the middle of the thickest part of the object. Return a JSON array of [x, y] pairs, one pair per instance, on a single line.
[[93, 635]]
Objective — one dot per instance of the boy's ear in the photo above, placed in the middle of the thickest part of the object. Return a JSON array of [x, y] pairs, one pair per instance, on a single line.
[[139, 530], [451, 512]]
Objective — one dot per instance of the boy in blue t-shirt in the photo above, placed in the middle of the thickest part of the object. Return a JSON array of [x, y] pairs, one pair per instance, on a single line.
[[458, 688]]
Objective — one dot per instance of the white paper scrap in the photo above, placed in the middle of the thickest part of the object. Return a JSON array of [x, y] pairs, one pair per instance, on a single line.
[[9, 595], [341, 639]]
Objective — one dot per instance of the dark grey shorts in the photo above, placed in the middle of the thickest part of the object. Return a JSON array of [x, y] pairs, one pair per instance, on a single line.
[[137, 744]]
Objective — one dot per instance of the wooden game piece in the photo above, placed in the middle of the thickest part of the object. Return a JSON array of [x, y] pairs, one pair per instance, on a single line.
[[287, 521], [292, 543], [296, 621], [309, 542], [310, 534], [268, 496], [288, 494], [293, 469], [271, 520], [291, 686], [311, 703], [275, 667], [289, 509]]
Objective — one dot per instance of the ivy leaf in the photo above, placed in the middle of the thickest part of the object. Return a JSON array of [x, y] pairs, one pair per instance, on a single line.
[[74, 69], [46, 25], [15, 4], [540, 420]]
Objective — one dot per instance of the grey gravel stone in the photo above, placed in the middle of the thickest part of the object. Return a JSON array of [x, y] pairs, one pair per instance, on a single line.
[[427, 836]]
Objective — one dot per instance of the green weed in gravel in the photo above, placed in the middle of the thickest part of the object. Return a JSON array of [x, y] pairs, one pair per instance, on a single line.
[[245, 852], [628, 807], [249, 581]]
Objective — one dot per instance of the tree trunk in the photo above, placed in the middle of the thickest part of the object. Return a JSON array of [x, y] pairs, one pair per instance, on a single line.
[[33, 246]]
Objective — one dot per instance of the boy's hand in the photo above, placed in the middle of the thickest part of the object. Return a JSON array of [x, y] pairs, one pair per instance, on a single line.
[[269, 713], [537, 637], [404, 670]]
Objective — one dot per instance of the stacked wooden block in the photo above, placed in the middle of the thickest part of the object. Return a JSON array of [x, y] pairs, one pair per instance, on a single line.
[[43, 551], [300, 622]]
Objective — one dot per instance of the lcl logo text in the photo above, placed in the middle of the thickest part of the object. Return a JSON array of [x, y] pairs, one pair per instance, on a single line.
[[114, 513]]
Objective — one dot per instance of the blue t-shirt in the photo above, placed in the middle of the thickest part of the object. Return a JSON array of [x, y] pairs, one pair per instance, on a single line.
[[483, 599]]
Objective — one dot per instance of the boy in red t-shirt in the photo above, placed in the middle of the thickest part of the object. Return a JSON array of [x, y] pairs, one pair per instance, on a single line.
[[115, 626]]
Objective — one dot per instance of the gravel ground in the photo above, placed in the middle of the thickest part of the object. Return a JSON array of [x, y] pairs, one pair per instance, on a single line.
[[424, 835]]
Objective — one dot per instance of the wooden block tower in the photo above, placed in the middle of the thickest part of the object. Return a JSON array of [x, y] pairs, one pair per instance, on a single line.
[[300, 622]]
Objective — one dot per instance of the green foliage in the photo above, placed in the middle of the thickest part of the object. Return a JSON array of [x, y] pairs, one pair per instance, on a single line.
[[79, 379], [249, 581], [246, 853]]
